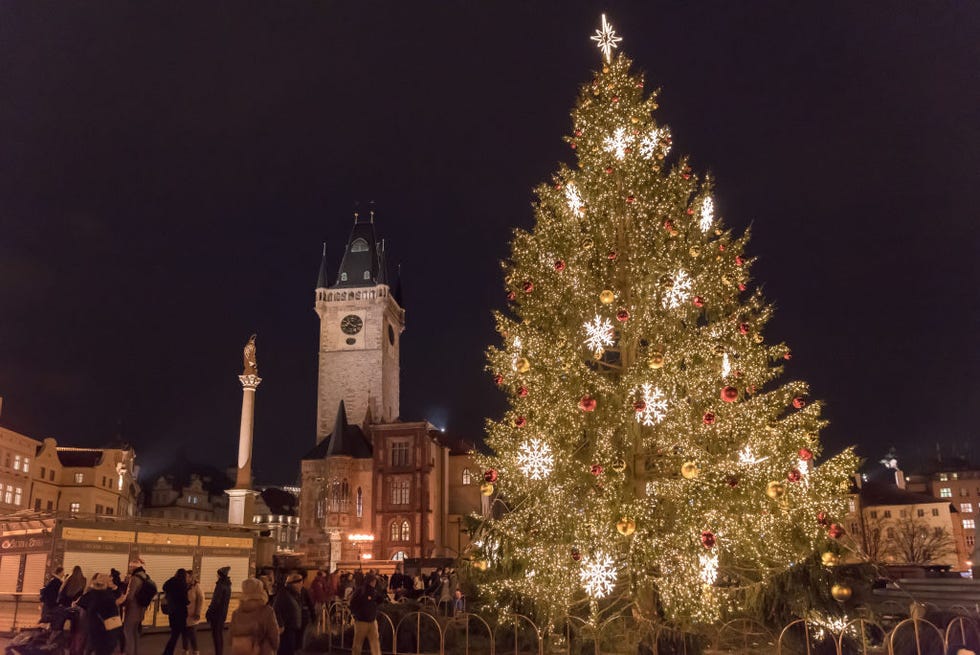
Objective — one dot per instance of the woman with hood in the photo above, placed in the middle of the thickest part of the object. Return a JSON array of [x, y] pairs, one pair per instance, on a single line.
[[254, 629], [217, 612], [72, 588], [101, 616]]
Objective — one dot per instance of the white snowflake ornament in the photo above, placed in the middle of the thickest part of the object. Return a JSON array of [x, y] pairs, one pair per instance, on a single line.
[[652, 140], [618, 142], [654, 405], [599, 334], [678, 292], [707, 214], [535, 459], [598, 575], [574, 199]]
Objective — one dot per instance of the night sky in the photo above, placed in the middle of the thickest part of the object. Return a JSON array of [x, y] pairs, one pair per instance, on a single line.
[[168, 172]]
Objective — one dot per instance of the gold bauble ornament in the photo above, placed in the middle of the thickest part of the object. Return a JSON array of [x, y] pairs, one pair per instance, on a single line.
[[522, 365], [694, 251], [775, 490], [619, 465], [607, 297], [486, 489], [829, 558], [480, 564], [841, 592], [667, 283], [727, 281], [587, 243], [626, 526], [656, 359], [758, 338], [719, 349], [690, 470]]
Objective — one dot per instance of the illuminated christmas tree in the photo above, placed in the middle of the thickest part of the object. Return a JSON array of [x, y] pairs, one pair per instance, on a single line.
[[650, 462]]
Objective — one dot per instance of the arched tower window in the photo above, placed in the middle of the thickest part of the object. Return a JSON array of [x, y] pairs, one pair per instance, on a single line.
[[406, 532], [467, 476], [359, 245], [394, 531], [360, 503]]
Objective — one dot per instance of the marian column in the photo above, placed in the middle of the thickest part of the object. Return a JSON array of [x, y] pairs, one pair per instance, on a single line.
[[241, 499]]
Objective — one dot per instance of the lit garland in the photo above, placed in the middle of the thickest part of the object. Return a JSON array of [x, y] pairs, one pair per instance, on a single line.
[[620, 403]]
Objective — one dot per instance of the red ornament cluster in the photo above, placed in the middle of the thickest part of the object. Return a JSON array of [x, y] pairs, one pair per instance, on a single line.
[[743, 328], [490, 476], [805, 454], [522, 392], [612, 255], [794, 475], [639, 405], [587, 403], [698, 301], [708, 418], [498, 379], [835, 531], [528, 286], [799, 402], [729, 394], [623, 315], [708, 539], [520, 422], [596, 469], [559, 265]]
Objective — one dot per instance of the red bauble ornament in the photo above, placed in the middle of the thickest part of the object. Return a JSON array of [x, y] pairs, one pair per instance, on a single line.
[[708, 418], [794, 475], [822, 518], [799, 402], [612, 255], [498, 379], [622, 315], [750, 389], [835, 531], [609, 170], [520, 422], [805, 454], [708, 539], [729, 394], [639, 405], [559, 265], [576, 554], [522, 392], [557, 186], [490, 476], [698, 301], [630, 199], [732, 481], [687, 176], [689, 211], [596, 469], [528, 287], [587, 403], [578, 132], [738, 260], [721, 247], [668, 225], [511, 296], [742, 287], [572, 144], [787, 355], [743, 328], [615, 98]]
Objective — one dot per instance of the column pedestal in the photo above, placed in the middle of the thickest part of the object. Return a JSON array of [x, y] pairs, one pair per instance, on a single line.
[[241, 506]]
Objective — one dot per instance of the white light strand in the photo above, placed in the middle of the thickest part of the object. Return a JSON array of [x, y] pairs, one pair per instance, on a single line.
[[575, 203], [679, 291], [726, 366], [707, 214], [654, 406], [598, 575], [709, 568], [747, 456], [618, 142], [606, 39], [516, 355], [599, 334], [535, 459]]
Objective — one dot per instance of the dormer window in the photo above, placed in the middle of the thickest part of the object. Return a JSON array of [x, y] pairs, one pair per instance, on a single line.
[[343, 276], [359, 245], [367, 275]]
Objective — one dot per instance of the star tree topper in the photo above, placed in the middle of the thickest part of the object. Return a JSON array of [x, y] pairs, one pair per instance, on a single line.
[[606, 39]]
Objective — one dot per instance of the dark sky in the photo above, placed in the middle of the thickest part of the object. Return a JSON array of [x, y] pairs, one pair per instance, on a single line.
[[168, 172]]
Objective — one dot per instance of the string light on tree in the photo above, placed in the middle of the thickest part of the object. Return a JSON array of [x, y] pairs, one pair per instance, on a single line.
[[598, 575], [599, 333], [747, 457], [726, 366], [653, 406], [678, 292], [606, 39], [535, 459]]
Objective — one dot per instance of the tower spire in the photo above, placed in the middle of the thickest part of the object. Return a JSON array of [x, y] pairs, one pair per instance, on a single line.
[[321, 278]]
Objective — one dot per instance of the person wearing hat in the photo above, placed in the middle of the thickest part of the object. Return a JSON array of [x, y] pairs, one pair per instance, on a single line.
[[253, 629], [101, 615], [290, 614], [217, 612], [364, 606]]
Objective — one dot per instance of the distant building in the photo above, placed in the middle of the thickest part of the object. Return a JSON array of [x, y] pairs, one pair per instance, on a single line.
[[375, 486], [277, 511], [17, 467], [188, 492], [956, 481]]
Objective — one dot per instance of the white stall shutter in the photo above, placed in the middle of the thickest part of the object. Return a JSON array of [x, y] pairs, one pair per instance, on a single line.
[[9, 569], [34, 573], [209, 572], [162, 567], [92, 563]]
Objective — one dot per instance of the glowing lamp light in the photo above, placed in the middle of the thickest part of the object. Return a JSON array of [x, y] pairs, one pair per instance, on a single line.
[[356, 537]]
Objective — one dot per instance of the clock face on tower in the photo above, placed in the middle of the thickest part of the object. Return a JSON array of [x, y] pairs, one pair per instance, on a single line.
[[351, 324]]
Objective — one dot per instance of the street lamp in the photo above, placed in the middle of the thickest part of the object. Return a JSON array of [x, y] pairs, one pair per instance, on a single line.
[[357, 539]]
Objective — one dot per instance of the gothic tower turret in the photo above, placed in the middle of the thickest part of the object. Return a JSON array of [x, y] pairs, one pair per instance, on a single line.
[[360, 331]]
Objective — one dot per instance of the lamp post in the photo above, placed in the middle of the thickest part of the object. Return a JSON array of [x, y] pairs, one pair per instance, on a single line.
[[358, 539]]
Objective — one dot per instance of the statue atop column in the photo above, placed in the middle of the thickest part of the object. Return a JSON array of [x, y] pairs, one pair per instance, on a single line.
[[251, 365]]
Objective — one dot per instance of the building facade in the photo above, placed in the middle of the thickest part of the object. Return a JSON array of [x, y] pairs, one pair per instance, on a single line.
[[17, 468], [374, 486], [958, 484], [96, 481]]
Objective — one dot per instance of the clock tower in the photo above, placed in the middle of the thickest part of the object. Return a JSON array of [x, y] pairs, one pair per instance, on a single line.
[[360, 332]]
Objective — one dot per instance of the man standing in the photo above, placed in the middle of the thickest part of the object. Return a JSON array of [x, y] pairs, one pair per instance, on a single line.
[[364, 606], [49, 594], [217, 612], [175, 595], [289, 613], [133, 607]]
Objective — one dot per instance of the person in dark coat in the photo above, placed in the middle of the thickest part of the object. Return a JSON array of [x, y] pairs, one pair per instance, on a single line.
[[73, 588], [175, 595], [217, 612], [289, 613], [99, 604], [364, 606], [49, 595]]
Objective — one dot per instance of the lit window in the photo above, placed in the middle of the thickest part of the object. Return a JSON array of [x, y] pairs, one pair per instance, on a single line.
[[468, 477], [399, 556], [8, 497], [367, 275], [399, 453], [18, 495], [79, 478], [406, 533], [75, 508], [969, 524], [945, 492], [359, 245], [943, 477], [27, 465], [954, 476], [971, 540], [399, 492], [394, 531], [966, 508], [964, 492], [343, 277], [851, 505], [16, 462], [360, 503], [935, 512]]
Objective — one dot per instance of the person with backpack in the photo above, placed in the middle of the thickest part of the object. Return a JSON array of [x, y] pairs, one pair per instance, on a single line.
[[49, 595], [140, 593], [364, 607], [217, 612], [253, 629], [175, 596], [289, 613]]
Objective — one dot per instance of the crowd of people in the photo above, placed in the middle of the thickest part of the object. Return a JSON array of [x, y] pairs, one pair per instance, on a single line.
[[274, 617]]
